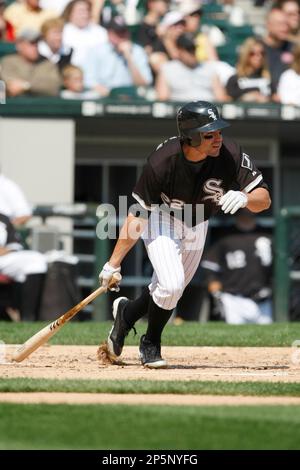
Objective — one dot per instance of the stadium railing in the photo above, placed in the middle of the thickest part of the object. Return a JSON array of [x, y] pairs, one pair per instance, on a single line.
[[287, 264]]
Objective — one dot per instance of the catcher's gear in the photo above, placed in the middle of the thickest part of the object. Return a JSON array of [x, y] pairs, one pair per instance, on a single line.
[[232, 201], [196, 117], [106, 275]]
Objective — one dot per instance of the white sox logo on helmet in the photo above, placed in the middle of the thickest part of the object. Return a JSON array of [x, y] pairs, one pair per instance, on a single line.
[[212, 114], [212, 187]]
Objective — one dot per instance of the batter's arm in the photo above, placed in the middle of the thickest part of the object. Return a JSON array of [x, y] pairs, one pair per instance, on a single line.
[[130, 233], [258, 200]]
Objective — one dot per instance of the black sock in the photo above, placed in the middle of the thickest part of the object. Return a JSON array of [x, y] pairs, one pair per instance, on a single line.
[[137, 308], [157, 320]]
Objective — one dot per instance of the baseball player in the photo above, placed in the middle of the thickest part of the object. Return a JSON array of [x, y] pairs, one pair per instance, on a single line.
[[27, 268], [13, 202], [196, 173], [238, 269]]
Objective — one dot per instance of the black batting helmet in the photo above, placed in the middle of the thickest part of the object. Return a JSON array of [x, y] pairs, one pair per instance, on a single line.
[[196, 117]]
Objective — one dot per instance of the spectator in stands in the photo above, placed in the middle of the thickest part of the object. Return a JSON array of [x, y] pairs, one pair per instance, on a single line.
[[289, 82], [74, 85], [205, 49], [109, 9], [97, 6], [80, 33], [238, 268], [27, 268], [13, 202], [260, 3], [148, 36], [169, 29], [51, 46], [252, 81], [235, 14], [292, 10], [118, 63], [7, 32], [156, 9], [185, 79], [223, 71], [211, 36], [192, 12], [131, 10], [27, 15], [277, 46], [25, 73]]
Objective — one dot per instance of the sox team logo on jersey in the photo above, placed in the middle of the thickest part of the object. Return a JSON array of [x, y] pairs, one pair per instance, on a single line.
[[173, 203], [212, 188]]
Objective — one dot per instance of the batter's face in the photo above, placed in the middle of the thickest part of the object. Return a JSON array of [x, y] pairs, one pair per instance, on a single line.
[[211, 143]]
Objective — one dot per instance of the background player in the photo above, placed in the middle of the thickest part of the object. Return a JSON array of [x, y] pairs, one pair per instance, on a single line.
[[194, 174], [26, 267], [238, 268]]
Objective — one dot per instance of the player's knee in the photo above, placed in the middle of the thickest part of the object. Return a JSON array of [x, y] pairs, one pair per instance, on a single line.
[[174, 290]]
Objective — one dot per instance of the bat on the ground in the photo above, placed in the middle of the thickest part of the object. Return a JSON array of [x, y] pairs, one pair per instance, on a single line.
[[48, 331]]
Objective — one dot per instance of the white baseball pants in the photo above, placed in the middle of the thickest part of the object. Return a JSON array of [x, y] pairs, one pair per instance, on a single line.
[[240, 310], [175, 252], [19, 264]]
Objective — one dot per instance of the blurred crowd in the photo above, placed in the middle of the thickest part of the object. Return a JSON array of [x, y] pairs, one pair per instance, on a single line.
[[167, 50]]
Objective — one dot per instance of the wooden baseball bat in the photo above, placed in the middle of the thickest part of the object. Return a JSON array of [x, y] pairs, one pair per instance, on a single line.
[[48, 331]]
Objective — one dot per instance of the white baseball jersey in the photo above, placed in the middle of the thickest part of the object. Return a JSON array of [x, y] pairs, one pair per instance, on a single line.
[[18, 263], [12, 200]]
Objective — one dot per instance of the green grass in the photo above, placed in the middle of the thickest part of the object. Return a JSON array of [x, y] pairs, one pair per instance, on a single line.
[[188, 334], [168, 427], [194, 387]]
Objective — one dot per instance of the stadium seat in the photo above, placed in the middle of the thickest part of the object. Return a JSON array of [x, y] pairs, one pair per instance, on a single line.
[[211, 8], [239, 33], [221, 23], [134, 32], [7, 48], [229, 52], [124, 93]]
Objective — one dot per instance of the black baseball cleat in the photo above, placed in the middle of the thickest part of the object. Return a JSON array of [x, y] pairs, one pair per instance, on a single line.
[[120, 329], [150, 354]]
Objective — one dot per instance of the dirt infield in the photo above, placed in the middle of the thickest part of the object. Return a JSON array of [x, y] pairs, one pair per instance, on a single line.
[[139, 399], [184, 364]]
